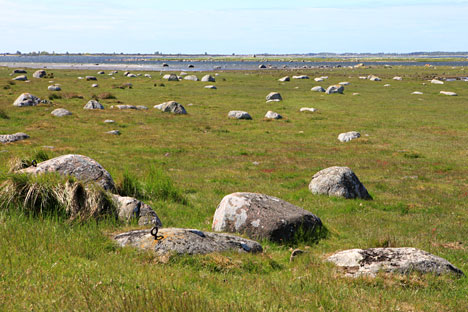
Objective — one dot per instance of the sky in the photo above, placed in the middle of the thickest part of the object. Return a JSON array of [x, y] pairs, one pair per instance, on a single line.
[[240, 27]]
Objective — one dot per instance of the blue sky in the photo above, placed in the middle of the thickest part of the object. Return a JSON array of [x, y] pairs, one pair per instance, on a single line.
[[241, 26]]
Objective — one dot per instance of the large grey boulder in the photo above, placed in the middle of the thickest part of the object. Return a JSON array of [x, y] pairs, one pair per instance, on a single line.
[[208, 78], [274, 96], [54, 88], [186, 241], [20, 78], [317, 89], [261, 216], [348, 136], [93, 104], [60, 112], [338, 181], [239, 115], [26, 99], [39, 73], [171, 107], [129, 208], [369, 262], [335, 89], [273, 115], [191, 78], [8, 138], [81, 167]]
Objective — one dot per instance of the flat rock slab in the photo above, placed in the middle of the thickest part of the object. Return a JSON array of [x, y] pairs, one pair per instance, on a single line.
[[261, 216], [348, 136], [79, 166], [448, 93], [239, 115], [26, 99], [129, 207], [369, 262], [301, 77], [8, 138], [60, 112], [338, 181], [186, 241], [308, 109], [20, 78]]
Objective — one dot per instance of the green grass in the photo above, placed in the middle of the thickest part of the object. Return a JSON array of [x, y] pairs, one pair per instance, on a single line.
[[411, 158]]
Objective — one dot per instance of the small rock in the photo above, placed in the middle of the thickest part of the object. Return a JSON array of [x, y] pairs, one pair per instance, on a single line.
[[417, 93], [39, 73], [274, 96], [171, 107], [93, 104], [114, 132], [318, 89], [90, 78], [348, 136], [435, 81], [100, 73], [210, 87], [301, 77], [295, 253], [344, 83], [60, 112], [338, 181], [19, 71], [94, 85], [272, 115], [373, 78], [319, 79], [20, 78], [109, 121], [141, 107], [285, 78], [355, 93], [387, 85], [398, 78], [448, 93], [335, 89], [308, 109], [26, 99], [208, 78], [191, 78], [262, 66], [239, 115], [54, 88], [129, 207], [171, 77]]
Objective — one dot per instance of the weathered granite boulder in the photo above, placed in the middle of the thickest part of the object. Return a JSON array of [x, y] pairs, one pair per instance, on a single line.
[[129, 207], [261, 216], [274, 96], [39, 73], [60, 112], [93, 104], [369, 262], [239, 115], [191, 78], [124, 106], [272, 115], [171, 77], [8, 138], [301, 77], [20, 78], [54, 88], [435, 81], [285, 78], [348, 136], [335, 89], [338, 181], [19, 71], [90, 78], [317, 89], [81, 167], [208, 78], [448, 93], [186, 241], [26, 99], [171, 107]]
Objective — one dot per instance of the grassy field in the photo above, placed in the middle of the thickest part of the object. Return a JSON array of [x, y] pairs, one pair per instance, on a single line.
[[412, 158]]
